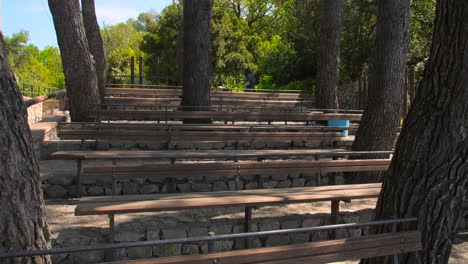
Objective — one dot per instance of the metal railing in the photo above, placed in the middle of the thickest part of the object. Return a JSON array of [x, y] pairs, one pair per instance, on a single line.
[[33, 90], [210, 238]]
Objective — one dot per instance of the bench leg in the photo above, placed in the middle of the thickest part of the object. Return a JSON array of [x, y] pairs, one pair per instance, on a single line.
[[79, 175], [248, 225], [335, 210], [109, 254]]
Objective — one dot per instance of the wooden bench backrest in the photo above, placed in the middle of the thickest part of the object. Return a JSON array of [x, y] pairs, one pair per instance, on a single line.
[[368, 246], [91, 174], [118, 114], [178, 92], [215, 102]]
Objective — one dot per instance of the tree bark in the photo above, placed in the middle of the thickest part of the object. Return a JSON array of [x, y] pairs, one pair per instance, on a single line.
[[381, 117], [22, 219], [197, 70], [329, 58], [428, 177], [95, 43], [78, 66]]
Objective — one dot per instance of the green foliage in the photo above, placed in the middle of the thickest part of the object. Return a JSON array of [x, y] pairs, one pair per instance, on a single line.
[[34, 66], [121, 43]]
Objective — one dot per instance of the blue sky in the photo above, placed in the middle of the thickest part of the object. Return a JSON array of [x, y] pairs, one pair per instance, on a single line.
[[34, 16]]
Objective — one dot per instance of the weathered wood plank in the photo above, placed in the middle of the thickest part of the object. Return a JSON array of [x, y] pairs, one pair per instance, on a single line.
[[315, 252], [207, 154], [181, 202]]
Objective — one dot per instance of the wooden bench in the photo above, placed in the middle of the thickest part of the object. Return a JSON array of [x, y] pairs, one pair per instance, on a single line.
[[137, 92], [111, 173], [368, 246], [215, 102], [112, 205], [180, 132], [237, 155], [267, 116]]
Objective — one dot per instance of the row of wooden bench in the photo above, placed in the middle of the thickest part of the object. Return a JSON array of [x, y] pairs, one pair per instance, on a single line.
[[223, 116], [177, 93], [196, 133]]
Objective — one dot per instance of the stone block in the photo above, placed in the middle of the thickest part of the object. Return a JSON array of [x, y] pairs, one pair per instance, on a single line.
[[311, 222], [130, 188], [118, 189], [167, 250], [291, 223], [298, 144], [284, 184], [150, 188], [269, 225], [96, 191], [232, 185], [221, 229], [299, 238], [224, 245], [298, 182], [173, 233], [61, 180], [190, 249], [87, 257], [56, 191], [270, 184], [251, 186], [201, 187], [219, 186], [279, 177], [277, 240], [198, 232], [140, 252], [140, 181], [294, 175], [129, 236], [184, 187]]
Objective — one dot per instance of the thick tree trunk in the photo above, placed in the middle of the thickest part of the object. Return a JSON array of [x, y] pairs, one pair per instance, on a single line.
[[93, 34], [22, 219], [381, 117], [78, 66], [329, 58], [197, 56], [428, 177]]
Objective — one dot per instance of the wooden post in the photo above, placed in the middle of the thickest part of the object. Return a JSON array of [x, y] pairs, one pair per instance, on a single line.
[[140, 60], [412, 83], [158, 70], [132, 71]]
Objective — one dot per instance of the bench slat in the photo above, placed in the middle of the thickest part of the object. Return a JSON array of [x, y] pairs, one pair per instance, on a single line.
[[314, 252], [143, 197], [207, 154], [207, 200], [119, 114]]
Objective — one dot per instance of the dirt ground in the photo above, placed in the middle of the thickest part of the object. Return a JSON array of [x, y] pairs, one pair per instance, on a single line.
[[60, 216]]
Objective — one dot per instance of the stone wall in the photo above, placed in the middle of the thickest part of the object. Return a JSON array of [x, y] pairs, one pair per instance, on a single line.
[[171, 228], [35, 113]]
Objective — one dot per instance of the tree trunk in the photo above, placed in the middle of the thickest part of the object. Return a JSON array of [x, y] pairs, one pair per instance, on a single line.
[[96, 47], [197, 56], [381, 117], [329, 58], [22, 219], [428, 177], [78, 66]]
